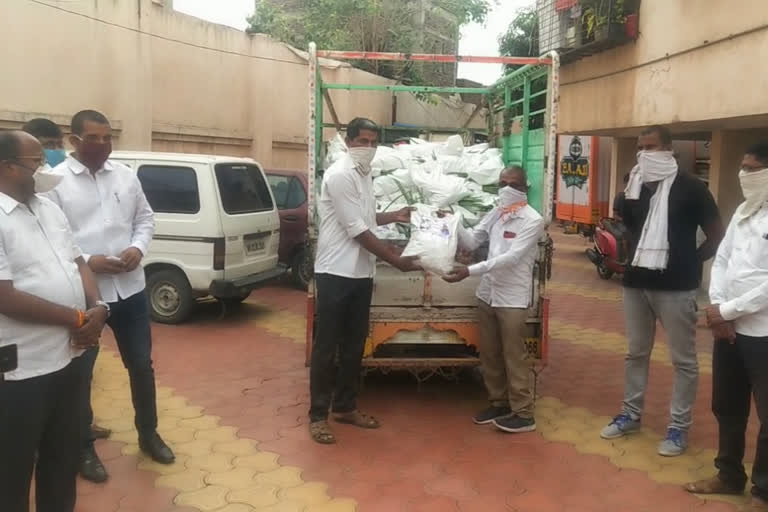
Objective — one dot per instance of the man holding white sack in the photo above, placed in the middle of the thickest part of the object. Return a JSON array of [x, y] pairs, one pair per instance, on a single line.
[[662, 211], [513, 230], [345, 264]]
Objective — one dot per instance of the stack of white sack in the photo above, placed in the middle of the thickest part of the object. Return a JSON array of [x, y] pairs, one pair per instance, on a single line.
[[446, 175]]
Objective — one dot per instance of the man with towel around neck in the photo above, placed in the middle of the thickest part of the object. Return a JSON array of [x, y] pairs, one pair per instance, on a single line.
[[663, 210]]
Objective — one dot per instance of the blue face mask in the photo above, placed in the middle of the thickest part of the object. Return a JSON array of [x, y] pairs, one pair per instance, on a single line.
[[55, 156]]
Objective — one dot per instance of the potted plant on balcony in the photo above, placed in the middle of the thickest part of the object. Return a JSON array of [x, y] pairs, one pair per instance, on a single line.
[[602, 19]]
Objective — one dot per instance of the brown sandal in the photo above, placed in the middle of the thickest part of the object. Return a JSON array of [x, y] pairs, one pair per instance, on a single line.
[[357, 419], [321, 432], [712, 486]]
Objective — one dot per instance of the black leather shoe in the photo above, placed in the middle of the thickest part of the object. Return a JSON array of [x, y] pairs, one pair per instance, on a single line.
[[91, 467], [156, 448], [100, 432]]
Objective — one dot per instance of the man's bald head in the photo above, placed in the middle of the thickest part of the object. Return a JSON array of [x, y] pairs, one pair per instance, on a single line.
[[514, 176], [20, 156]]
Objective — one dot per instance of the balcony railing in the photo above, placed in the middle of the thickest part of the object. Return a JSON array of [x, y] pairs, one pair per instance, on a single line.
[[578, 28]]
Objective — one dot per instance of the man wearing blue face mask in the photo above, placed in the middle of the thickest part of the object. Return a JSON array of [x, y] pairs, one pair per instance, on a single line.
[[51, 138], [513, 230], [662, 211]]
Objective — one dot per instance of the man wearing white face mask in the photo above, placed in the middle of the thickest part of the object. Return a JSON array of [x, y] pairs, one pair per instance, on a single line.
[[663, 210], [344, 267], [513, 230], [738, 318], [50, 310]]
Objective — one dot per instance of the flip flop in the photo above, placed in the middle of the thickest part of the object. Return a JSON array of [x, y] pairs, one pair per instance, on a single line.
[[321, 432]]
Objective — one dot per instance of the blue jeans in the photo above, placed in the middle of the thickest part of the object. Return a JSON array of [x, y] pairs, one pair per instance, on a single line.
[[129, 322]]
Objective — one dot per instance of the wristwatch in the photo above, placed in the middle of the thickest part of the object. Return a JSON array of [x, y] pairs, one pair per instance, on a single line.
[[103, 305]]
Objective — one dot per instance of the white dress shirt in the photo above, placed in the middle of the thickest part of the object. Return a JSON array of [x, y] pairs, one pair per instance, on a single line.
[[739, 282], [347, 208], [37, 254], [108, 214], [508, 272]]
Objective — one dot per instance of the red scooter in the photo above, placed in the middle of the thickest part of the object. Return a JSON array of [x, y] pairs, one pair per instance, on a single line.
[[609, 252]]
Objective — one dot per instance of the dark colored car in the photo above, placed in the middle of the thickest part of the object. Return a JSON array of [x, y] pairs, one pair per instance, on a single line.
[[290, 190]]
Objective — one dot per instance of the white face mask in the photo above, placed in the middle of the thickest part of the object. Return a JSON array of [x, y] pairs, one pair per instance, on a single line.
[[362, 157], [509, 196], [754, 184], [45, 179]]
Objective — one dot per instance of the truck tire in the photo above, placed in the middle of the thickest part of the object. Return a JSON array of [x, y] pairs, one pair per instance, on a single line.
[[170, 296]]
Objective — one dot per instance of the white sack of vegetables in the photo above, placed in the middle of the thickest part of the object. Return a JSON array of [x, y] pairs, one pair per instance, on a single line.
[[434, 239]]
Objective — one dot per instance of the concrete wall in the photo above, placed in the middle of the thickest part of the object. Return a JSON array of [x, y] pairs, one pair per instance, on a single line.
[[712, 70], [167, 81]]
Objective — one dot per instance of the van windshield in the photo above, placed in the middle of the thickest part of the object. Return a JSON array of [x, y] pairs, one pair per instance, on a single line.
[[243, 189]]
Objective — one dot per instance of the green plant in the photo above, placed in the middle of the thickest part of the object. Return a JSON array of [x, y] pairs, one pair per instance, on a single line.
[[599, 13]]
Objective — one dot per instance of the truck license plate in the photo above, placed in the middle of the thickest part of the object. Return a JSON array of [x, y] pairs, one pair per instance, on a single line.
[[252, 246]]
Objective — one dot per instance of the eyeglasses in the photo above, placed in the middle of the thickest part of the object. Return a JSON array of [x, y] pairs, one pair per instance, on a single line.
[[40, 159]]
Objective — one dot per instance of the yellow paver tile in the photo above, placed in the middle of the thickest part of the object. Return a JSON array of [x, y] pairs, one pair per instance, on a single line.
[[124, 424], [206, 499], [188, 480], [128, 437], [259, 495], [130, 449], [310, 493], [236, 507], [168, 422], [187, 412], [196, 448], [201, 423], [164, 469], [179, 435], [163, 392], [337, 505], [212, 462], [285, 476], [285, 506], [237, 478], [261, 461], [218, 434], [567, 434], [171, 402], [239, 447]]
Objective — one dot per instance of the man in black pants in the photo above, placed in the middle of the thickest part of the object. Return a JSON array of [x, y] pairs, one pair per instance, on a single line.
[[113, 223], [344, 269], [739, 321], [50, 310]]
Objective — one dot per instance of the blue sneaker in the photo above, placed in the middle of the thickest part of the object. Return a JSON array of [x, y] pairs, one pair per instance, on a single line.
[[675, 443], [621, 425]]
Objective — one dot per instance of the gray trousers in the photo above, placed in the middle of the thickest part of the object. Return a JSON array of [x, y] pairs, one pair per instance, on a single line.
[[677, 313]]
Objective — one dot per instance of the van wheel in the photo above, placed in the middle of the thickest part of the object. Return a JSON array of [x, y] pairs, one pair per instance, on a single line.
[[170, 296], [301, 270]]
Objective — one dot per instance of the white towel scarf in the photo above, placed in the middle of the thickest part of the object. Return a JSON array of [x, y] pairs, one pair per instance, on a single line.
[[653, 166]]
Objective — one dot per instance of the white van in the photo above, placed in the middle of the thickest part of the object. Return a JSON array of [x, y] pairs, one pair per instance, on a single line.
[[217, 229]]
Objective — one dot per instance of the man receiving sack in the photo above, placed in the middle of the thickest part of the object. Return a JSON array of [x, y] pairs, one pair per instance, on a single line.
[[513, 230]]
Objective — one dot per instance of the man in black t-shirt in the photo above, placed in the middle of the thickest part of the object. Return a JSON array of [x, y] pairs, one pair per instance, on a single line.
[[663, 210]]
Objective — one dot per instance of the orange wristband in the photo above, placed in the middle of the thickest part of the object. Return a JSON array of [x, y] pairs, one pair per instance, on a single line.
[[81, 318]]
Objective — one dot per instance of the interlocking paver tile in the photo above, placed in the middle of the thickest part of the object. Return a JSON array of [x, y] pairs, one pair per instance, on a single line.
[[212, 462], [284, 477], [236, 478], [187, 480], [257, 495], [208, 499], [261, 461], [310, 493]]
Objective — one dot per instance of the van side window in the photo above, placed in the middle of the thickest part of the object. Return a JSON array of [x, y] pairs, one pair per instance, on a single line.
[[170, 189], [243, 189]]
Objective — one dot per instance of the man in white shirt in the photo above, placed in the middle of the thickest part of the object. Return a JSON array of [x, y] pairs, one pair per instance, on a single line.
[[344, 267], [738, 318], [513, 230], [50, 310], [113, 224]]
